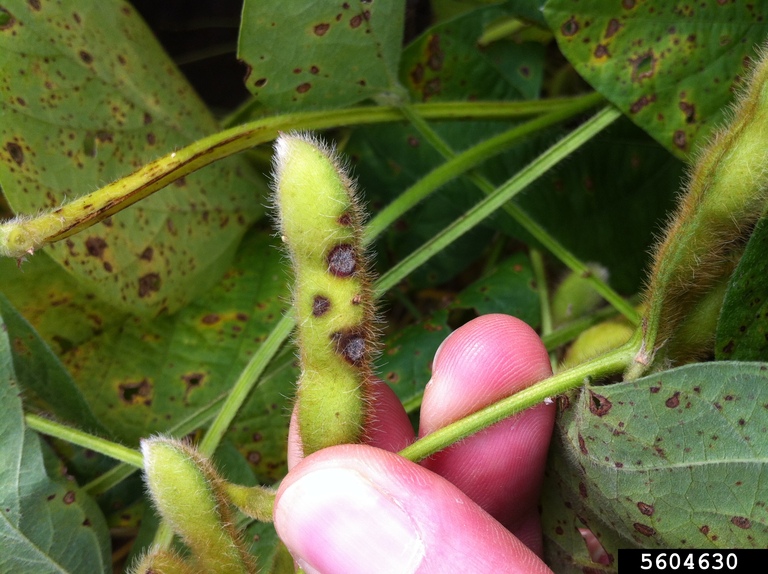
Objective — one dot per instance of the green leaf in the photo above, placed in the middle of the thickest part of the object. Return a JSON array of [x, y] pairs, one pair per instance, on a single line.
[[321, 55], [446, 62], [82, 106], [45, 526], [670, 67], [406, 361], [742, 330], [41, 375], [509, 288], [673, 460], [143, 376], [607, 201]]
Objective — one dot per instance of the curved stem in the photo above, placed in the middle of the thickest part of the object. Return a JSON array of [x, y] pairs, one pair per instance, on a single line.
[[23, 235], [78, 437], [610, 363]]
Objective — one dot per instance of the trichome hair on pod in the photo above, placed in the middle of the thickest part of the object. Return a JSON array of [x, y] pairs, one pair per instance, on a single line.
[[189, 493], [320, 221], [724, 197]]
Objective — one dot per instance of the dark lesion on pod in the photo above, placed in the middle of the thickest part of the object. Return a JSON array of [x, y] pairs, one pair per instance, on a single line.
[[351, 345], [342, 260], [320, 305]]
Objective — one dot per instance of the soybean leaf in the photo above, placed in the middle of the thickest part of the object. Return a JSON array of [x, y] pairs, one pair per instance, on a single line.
[[141, 376], [446, 62], [670, 67], [41, 375], [320, 54], [614, 191], [406, 360], [45, 526], [742, 330], [87, 95], [673, 460], [509, 288]]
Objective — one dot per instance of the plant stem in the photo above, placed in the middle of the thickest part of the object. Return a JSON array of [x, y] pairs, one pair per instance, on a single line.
[[540, 277], [78, 437], [244, 384], [525, 221], [458, 164], [24, 235], [499, 197], [607, 364]]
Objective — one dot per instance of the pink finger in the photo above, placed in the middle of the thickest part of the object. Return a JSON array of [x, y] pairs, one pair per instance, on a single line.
[[500, 468], [354, 508]]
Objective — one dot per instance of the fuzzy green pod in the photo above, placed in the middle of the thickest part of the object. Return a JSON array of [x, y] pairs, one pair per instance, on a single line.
[[321, 223], [163, 562], [188, 493], [725, 197], [575, 296]]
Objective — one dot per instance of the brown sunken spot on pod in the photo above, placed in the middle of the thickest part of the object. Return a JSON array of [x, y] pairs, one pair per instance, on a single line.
[[342, 260], [350, 345], [320, 305]]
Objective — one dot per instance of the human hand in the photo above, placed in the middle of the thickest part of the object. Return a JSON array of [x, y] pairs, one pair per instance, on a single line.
[[469, 508]]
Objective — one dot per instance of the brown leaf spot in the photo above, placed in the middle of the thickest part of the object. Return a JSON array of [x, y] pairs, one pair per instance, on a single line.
[[393, 377], [628, 4], [6, 19], [570, 27], [601, 51], [69, 497], [193, 380], [583, 490], [135, 392], [689, 110], [148, 284], [741, 522], [704, 530], [210, 319], [583, 445], [598, 404], [679, 139], [355, 21], [613, 26], [254, 457], [342, 260], [34, 4], [350, 345], [435, 55], [643, 66], [320, 305], [15, 151], [640, 103], [644, 529], [314, 70], [417, 74], [646, 509], [147, 254], [95, 246], [86, 57], [674, 401], [303, 88], [260, 83], [321, 29], [655, 389], [345, 219]]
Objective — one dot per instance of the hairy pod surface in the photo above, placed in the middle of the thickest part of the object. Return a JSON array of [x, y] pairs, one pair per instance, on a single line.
[[724, 198], [321, 223], [188, 493]]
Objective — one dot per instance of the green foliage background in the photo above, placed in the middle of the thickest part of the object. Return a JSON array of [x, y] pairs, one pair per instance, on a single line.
[[144, 322]]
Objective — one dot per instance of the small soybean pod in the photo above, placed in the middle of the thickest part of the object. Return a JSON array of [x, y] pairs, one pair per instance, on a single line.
[[321, 223]]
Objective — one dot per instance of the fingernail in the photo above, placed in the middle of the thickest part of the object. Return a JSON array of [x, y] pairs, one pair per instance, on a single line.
[[338, 520]]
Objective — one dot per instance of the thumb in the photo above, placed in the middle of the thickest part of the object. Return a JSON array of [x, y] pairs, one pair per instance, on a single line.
[[355, 508]]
